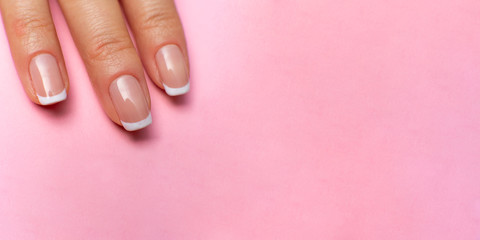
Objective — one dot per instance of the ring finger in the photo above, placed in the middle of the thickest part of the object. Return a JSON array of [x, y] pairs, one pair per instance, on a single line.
[[35, 50]]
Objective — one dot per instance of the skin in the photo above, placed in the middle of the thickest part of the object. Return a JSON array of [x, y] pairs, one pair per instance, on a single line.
[[100, 34]]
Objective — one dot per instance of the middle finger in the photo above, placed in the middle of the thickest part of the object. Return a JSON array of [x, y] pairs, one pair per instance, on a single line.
[[111, 60]]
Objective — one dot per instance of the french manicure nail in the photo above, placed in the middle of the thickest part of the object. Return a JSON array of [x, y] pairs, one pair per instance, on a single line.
[[47, 79], [173, 70], [130, 102]]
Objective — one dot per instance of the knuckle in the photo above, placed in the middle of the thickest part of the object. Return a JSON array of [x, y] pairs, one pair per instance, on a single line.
[[30, 24], [106, 46], [157, 18]]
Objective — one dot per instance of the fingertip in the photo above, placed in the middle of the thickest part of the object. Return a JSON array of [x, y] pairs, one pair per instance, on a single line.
[[47, 79], [53, 99], [138, 125], [177, 91]]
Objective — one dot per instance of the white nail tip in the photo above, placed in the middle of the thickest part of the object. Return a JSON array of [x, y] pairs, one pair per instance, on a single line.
[[138, 125], [53, 99], [177, 91]]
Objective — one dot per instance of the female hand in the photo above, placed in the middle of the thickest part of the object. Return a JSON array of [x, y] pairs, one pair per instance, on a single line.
[[115, 69]]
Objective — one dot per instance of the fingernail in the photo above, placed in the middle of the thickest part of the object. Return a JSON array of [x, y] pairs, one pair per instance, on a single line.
[[173, 70], [47, 79], [130, 102]]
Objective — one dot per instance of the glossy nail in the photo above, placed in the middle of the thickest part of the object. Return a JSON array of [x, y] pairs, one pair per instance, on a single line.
[[130, 103], [47, 79], [173, 70]]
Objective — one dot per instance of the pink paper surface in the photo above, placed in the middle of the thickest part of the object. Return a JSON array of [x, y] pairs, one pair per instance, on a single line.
[[308, 119]]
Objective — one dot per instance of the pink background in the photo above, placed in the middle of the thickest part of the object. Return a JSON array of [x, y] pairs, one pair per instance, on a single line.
[[311, 119]]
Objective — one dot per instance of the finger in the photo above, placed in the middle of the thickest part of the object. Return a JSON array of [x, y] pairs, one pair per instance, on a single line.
[[111, 60], [161, 43], [35, 50]]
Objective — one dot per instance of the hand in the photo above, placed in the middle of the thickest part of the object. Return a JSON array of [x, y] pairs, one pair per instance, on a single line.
[[115, 69]]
